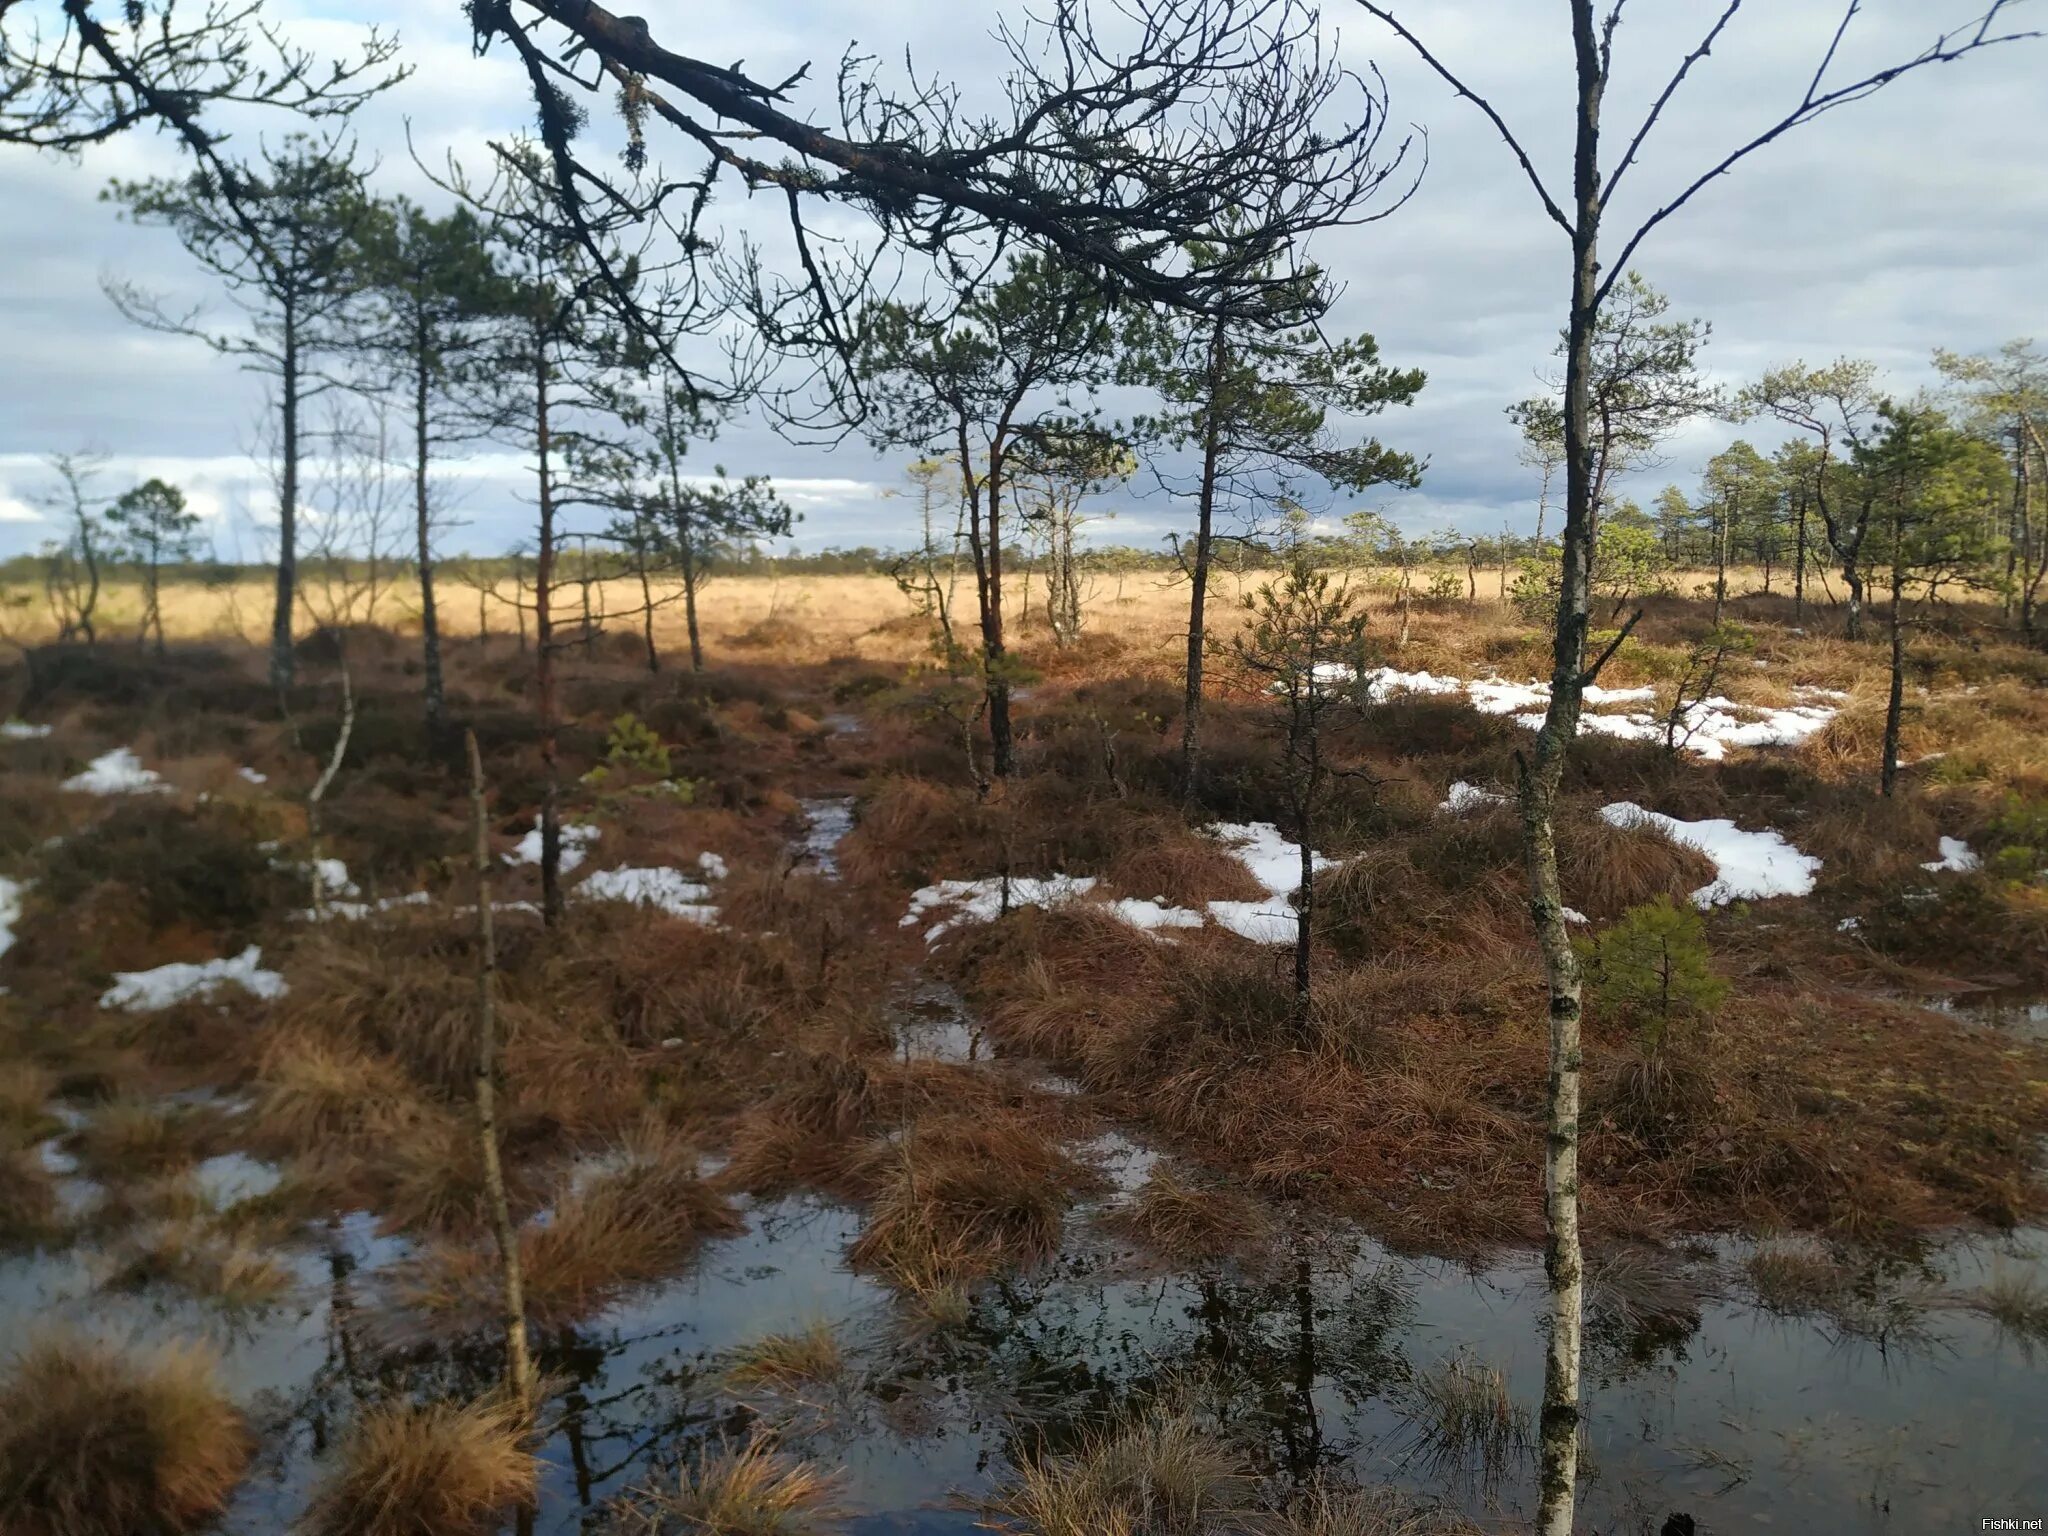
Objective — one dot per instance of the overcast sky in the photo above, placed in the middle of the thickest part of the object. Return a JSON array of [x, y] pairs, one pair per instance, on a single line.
[[1915, 220]]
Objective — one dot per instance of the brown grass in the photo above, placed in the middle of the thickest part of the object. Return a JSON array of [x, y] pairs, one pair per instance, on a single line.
[[1161, 1473], [215, 1269], [1184, 1221], [406, 1469], [750, 1489], [631, 1224], [95, 1441], [954, 1197], [781, 1362]]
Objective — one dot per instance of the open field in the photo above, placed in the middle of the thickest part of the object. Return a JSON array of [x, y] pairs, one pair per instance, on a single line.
[[864, 1197]]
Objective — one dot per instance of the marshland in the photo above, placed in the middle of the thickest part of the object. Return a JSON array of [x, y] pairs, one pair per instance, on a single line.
[[544, 1007]]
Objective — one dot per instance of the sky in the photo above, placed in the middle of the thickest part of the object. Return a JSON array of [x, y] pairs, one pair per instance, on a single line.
[[1915, 220]]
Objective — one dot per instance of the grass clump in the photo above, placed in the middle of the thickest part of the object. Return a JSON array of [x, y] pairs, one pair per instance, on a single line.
[[955, 1197], [629, 1225], [1466, 1417], [2017, 1301], [1324, 1509], [746, 1490], [1184, 1222], [781, 1362], [95, 1441], [1160, 1473], [200, 867], [408, 1469]]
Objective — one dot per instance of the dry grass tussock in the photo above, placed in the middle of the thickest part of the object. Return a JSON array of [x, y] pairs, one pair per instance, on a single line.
[[404, 1469], [98, 1441], [1166, 1472], [1184, 1221], [781, 1362], [630, 1220], [750, 1489], [953, 1197]]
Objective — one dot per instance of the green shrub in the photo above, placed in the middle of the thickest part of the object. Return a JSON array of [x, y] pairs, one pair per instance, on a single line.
[[1653, 967]]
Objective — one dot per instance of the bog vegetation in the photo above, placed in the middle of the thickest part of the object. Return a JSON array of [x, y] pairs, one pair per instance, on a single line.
[[462, 964]]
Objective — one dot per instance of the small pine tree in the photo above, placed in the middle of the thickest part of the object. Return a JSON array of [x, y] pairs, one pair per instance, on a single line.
[[1653, 967], [1304, 648]]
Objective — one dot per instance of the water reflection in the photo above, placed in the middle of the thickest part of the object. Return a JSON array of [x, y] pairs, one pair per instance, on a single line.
[[1325, 1355]]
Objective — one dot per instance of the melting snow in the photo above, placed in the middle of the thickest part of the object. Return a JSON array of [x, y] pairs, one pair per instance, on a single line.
[[119, 772], [1709, 727], [1956, 858], [982, 901], [252, 776], [826, 821], [576, 841], [1273, 861], [147, 991], [712, 865], [21, 730], [1752, 865], [1469, 797], [1152, 915], [10, 911], [660, 887]]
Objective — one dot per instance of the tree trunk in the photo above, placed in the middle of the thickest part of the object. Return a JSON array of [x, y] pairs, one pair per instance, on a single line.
[[1799, 569], [287, 508], [1895, 697], [646, 608], [544, 656], [519, 1375], [1002, 748], [690, 604], [1198, 585], [1721, 561], [1562, 1262], [430, 619], [1304, 923]]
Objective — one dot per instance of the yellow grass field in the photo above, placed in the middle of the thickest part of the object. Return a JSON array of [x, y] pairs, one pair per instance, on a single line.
[[797, 617]]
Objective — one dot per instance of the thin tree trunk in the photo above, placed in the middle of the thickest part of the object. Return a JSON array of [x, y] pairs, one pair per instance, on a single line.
[[287, 509], [544, 657], [1799, 570], [1002, 748], [1721, 560], [519, 1374], [1198, 585], [430, 619], [690, 605], [1895, 697], [647, 609], [1558, 1432]]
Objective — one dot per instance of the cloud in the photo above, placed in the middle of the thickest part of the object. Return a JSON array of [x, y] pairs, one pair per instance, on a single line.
[[1909, 221]]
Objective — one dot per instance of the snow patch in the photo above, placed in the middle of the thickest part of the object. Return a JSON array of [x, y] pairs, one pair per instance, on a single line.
[[1469, 797], [1956, 858], [1153, 915], [576, 841], [119, 772], [1753, 866], [711, 864], [1707, 729], [659, 887], [21, 730], [167, 985], [983, 901], [10, 910], [252, 776]]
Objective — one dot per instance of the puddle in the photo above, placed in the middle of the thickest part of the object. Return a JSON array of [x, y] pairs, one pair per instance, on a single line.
[[233, 1177], [2016, 1011], [841, 723], [933, 1023], [1738, 1417], [827, 819]]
